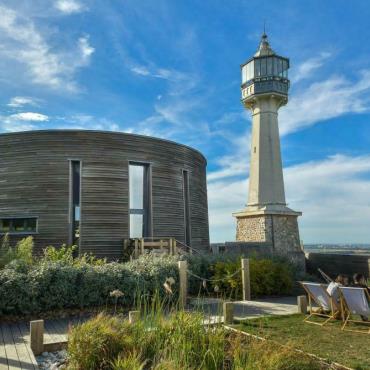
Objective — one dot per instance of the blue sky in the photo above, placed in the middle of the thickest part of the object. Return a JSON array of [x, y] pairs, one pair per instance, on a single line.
[[172, 69]]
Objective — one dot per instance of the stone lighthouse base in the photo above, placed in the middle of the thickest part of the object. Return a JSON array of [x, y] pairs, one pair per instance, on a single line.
[[278, 230]]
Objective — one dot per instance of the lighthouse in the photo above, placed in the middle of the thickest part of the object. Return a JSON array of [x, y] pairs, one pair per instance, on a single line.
[[266, 217]]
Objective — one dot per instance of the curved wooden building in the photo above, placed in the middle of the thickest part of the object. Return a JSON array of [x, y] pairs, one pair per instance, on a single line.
[[95, 189]]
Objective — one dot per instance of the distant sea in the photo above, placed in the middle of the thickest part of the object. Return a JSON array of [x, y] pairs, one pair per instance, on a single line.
[[338, 248]]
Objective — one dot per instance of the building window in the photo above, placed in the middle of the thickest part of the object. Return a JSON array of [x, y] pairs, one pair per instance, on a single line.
[[75, 202], [18, 225], [140, 202], [185, 188]]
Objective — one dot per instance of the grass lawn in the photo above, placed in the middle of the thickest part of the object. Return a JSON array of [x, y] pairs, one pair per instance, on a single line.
[[347, 348]]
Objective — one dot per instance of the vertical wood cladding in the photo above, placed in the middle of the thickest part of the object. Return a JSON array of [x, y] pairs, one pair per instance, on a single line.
[[34, 181]]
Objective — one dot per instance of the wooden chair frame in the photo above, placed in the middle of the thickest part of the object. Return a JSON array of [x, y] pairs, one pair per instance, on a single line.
[[346, 314], [333, 313]]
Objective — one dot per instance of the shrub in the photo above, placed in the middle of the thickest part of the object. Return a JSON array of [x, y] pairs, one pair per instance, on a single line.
[[63, 254], [67, 255], [50, 285], [22, 252], [268, 277]]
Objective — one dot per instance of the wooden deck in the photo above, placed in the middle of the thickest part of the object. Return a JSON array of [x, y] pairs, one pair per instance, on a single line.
[[15, 352]]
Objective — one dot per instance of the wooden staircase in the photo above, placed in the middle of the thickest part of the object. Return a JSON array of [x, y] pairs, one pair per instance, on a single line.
[[157, 246]]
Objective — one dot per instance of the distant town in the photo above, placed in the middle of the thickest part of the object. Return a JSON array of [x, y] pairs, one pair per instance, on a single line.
[[356, 248]]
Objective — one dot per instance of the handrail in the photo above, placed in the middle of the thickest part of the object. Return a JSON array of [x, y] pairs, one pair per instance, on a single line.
[[172, 243], [187, 246]]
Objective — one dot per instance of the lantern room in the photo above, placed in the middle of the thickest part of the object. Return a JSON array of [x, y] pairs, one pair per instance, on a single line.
[[265, 73]]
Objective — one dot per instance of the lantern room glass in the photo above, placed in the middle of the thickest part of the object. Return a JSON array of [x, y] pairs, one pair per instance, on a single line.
[[270, 66], [248, 72]]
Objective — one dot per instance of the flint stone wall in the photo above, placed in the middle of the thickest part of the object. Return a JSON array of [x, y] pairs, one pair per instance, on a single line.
[[279, 230]]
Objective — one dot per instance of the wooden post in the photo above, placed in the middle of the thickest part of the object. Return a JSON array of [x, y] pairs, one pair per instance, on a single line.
[[142, 246], [246, 280], [136, 252], [174, 247], [37, 336], [183, 266], [228, 308], [302, 304], [133, 316], [170, 246]]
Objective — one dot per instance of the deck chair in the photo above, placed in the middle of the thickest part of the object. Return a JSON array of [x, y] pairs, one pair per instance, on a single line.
[[355, 302], [328, 307]]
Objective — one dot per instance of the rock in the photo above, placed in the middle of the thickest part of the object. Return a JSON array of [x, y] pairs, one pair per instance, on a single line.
[[52, 360]]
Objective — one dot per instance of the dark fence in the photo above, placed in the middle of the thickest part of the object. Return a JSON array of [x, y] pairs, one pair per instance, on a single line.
[[334, 264]]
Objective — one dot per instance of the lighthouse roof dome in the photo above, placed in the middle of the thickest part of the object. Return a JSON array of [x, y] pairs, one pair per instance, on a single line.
[[264, 48]]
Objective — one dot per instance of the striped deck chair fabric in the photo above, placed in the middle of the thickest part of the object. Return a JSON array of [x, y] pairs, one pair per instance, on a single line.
[[328, 307], [355, 302]]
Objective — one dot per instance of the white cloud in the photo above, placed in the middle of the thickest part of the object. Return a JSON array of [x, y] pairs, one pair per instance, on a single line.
[[332, 193], [163, 73], [11, 126], [20, 101], [305, 69], [23, 42], [321, 101], [22, 121], [236, 163], [29, 116], [69, 6], [140, 70], [229, 118], [86, 122], [86, 49], [334, 196]]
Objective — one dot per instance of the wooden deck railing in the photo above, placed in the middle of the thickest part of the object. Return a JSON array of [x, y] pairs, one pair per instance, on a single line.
[[168, 245]]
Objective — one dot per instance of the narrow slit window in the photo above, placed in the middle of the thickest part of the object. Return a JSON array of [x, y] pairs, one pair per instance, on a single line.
[[139, 191], [75, 202], [185, 181]]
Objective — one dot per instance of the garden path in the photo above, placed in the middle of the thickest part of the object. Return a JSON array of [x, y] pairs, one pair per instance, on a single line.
[[15, 351], [247, 309]]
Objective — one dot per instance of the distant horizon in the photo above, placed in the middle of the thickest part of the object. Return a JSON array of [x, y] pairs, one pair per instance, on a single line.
[[172, 70]]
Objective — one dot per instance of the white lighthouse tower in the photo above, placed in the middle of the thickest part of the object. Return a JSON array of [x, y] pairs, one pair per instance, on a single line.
[[266, 217]]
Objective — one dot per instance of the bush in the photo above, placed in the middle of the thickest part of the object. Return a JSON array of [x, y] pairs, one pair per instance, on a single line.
[[22, 252], [67, 255], [50, 285], [268, 277]]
